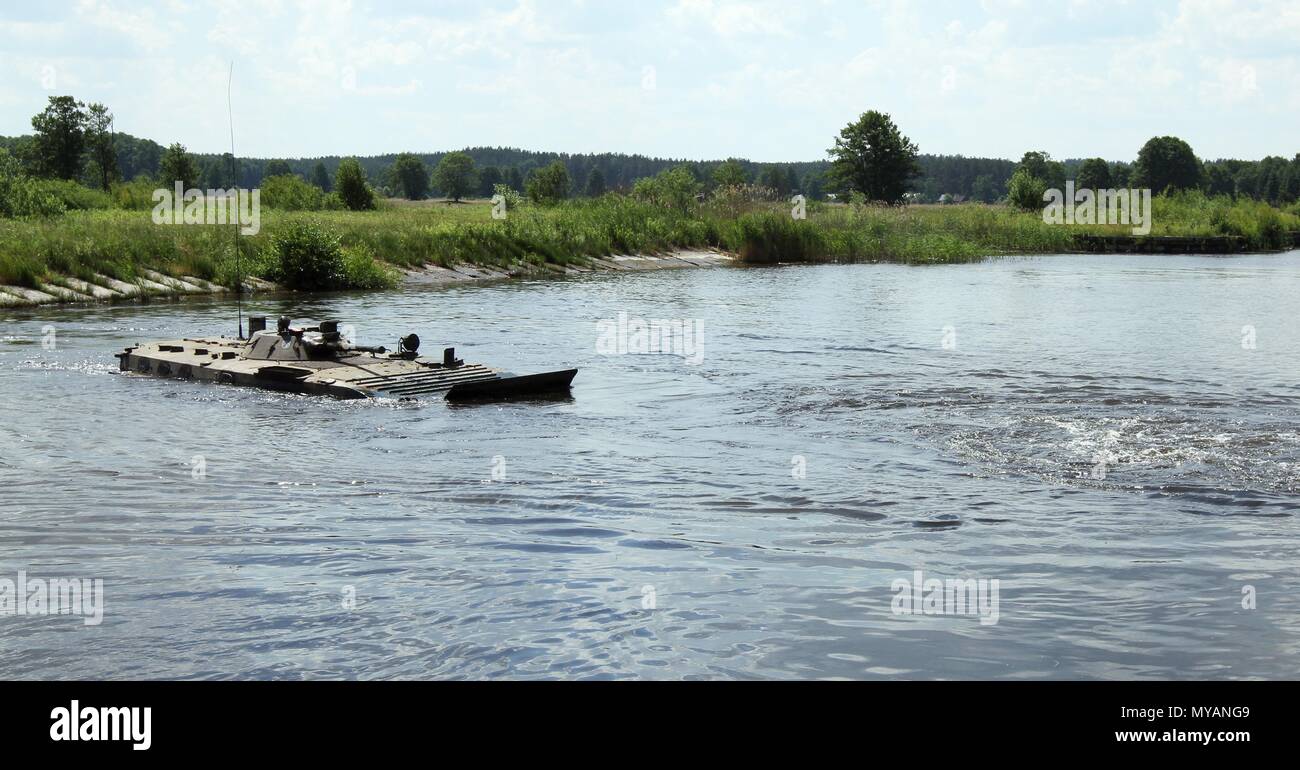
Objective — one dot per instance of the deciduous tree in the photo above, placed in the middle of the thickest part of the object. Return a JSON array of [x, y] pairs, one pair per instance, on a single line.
[[872, 157], [454, 177], [177, 165], [488, 179], [100, 145], [412, 176], [1025, 190], [1167, 163], [730, 174], [550, 184], [1041, 166], [1094, 174], [60, 138], [321, 178], [351, 186]]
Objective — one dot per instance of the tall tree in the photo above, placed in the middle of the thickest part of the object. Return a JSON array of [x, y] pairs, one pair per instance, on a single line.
[[488, 179], [219, 173], [873, 157], [774, 178], [1025, 191], [791, 183], [321, 178], [1094, 174], [1167, 163], [1272, 179], [515, 179], [60, 138], [550, 184], [812, 185], [177, 165], [595, 182], [100, 144], [411, 176], [350, 183], [1040, 165], [1291, 181], [1246, 180], [730, 173], [454, 176]]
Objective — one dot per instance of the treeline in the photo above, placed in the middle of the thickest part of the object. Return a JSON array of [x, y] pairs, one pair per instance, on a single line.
[[1164, 164], [513, 167], [75, 141], [64, 129], [977, 179]]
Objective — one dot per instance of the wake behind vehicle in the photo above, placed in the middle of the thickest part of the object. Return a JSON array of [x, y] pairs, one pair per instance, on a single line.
[[319, 361]]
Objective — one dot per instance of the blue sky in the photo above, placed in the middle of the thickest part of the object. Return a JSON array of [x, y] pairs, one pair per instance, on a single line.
[[768, 80]]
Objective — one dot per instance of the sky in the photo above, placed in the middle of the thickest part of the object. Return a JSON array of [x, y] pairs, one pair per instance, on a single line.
[[768, 80]]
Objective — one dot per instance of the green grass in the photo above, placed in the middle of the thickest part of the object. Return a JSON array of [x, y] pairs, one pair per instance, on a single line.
[[1195, 214], [91, 239], [447, 234], [912, 234]]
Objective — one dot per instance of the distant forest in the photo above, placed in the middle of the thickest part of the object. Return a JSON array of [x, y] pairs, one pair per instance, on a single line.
[[943, 177]]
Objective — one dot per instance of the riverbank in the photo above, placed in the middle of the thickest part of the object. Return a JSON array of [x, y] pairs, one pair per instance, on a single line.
[[115, 254], [152, 285]]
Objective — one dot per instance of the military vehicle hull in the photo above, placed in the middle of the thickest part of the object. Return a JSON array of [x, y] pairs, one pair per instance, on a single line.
[[287, 362]]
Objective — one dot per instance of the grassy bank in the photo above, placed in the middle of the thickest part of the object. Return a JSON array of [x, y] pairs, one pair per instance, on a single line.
[[120, 243]]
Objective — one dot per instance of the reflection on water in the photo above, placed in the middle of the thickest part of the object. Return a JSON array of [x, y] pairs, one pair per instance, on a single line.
[[1093, 432]]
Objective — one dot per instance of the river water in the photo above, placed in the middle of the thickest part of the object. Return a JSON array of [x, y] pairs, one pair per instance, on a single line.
[[1112, 439]]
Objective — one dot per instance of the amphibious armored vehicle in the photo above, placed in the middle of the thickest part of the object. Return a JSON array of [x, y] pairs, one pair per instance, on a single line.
[[319, 361]]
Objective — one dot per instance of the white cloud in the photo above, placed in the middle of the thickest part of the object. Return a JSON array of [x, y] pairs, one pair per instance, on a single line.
[[768, 79], [125, 20], [733, 18]]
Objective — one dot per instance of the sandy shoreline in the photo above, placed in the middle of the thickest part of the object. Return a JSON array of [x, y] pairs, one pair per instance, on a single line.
[[438, 275], [66, 290]]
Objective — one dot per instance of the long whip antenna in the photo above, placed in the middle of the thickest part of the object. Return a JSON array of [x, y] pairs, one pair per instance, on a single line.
[[239, 272]]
